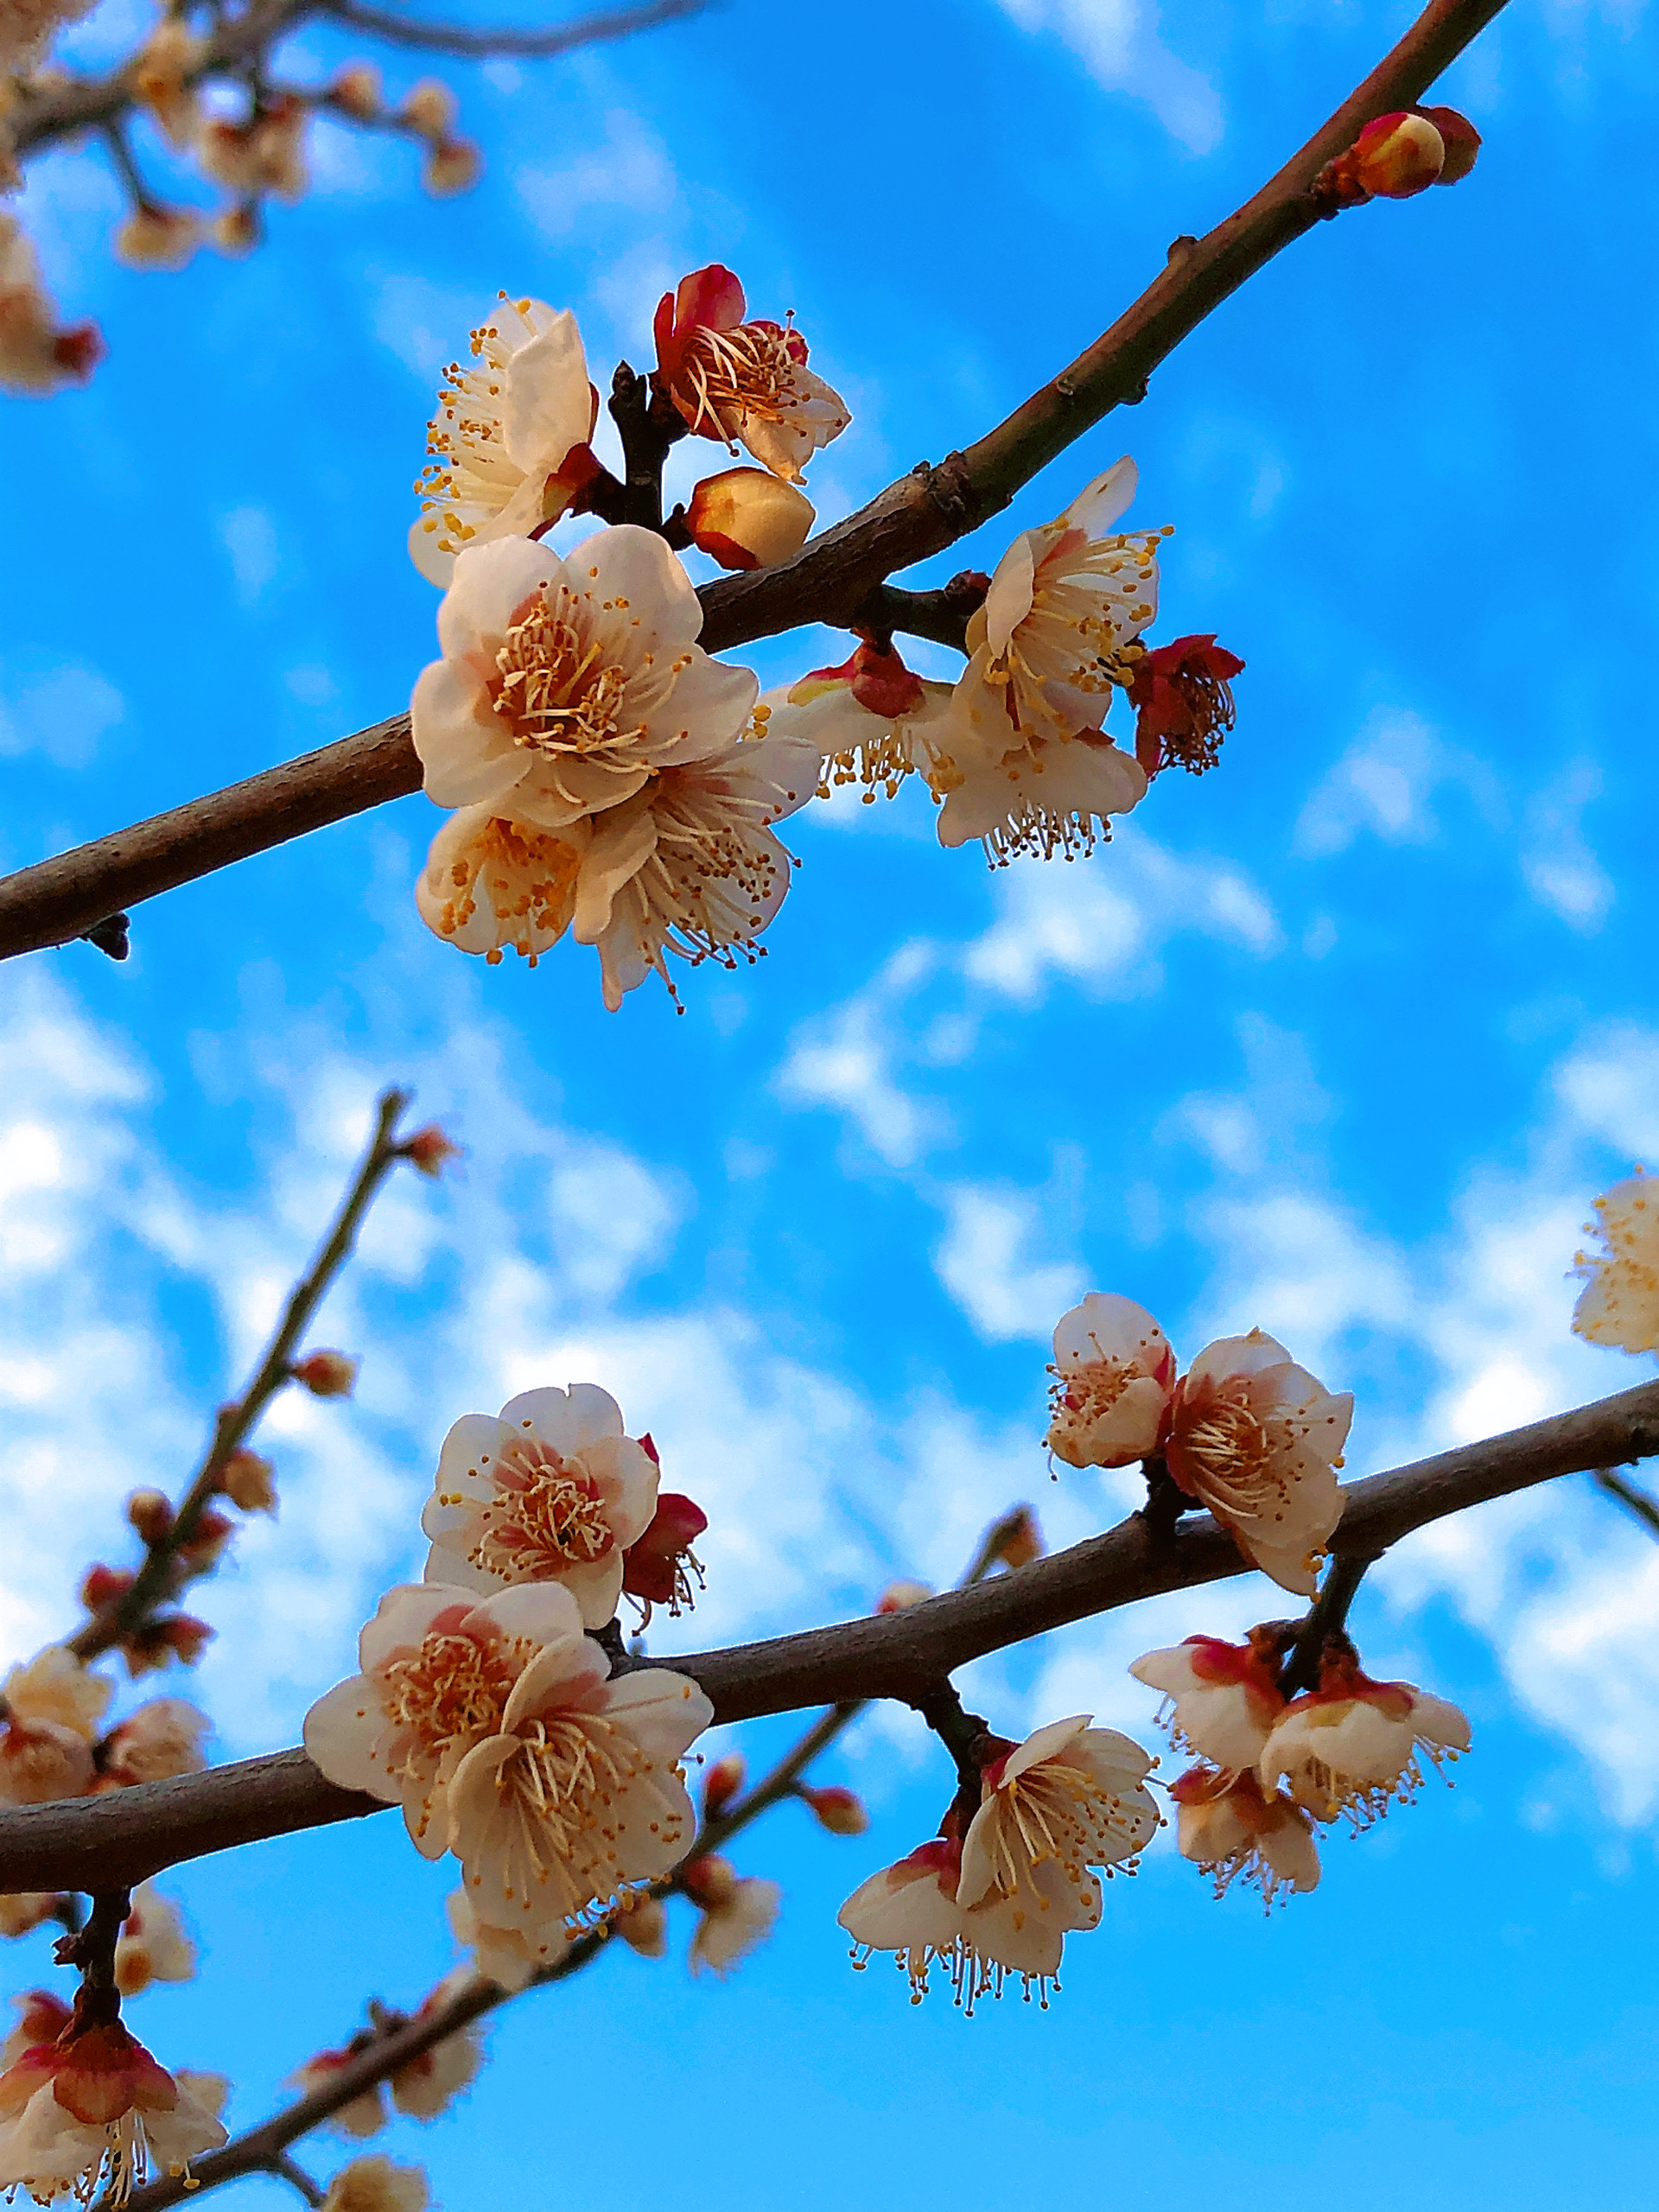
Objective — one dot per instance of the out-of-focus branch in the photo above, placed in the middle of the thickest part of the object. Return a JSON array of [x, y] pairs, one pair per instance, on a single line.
[[466, 43], [98, 1843], [1631, 1496], [156, 1580], [46, 115], [831, 580]]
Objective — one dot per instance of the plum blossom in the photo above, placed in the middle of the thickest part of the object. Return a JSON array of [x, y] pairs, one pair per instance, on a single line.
[[152, 1945], [55, 1686], [37, 353], [492, 884], [21, 1911], [1258, 1440], [41, 2017], [326, 1374], [93, 2112], [429, 2085], [550, 1490], [728, 1932], [1033, 770], [689, 864], [1183, 701], [374, 2185], [1220, 1699], [359, 2117], [643, 1925], [565, 684], [1235, 1831], [872, 720], [1619, 1303], [510, 437], [1114, 1371], [503, 1955], [660, 1566], [41, 1761], [158, 1740], [264, 153], [1351, 1747], [161, 73], [1069, 1798], [497, 1729], [743, 382]]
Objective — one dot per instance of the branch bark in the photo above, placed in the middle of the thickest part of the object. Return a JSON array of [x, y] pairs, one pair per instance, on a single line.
[[829, 580], [118, 1839], [466, 44]]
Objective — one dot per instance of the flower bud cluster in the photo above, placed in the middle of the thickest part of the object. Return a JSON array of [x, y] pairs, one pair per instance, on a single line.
[[1396, 156]]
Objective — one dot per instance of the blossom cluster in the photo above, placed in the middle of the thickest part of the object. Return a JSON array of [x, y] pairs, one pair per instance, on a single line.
[[608, 777], [1245, 1431], [1271, 1767], [487, 1711]]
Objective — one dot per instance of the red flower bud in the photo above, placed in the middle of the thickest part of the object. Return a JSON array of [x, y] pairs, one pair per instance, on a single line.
[[876, 676], [428, 1148], [840, 1810], [325, 1374], [710, 1882], [207, 1540], [721, 1784], [1460, 139], [103, 1585], [1396, 156], [658, 1568], [748, 518], [150, 1512]]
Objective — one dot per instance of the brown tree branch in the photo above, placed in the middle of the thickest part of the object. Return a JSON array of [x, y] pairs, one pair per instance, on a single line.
[[829, 580], [100, 1843], [466, 43]]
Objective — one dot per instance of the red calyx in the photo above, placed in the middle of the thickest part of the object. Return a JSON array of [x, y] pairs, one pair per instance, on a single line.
[[878, 679]]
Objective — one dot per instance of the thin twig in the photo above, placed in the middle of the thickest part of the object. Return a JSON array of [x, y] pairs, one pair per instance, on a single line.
[[56, 900], [1618, 1485], [297, 2178], [93, 1843], [155, 1581], [466, 43]]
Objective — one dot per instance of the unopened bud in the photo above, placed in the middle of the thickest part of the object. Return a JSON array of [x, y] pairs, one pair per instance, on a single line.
[[748, 518], [721, 1784], [428, 1148], [158, 237], [1397, 156], [150, 1512], [898, 1595], [325, 1374], [236, 229], [103, 1585], [356, 89], [644, 1927], [430, 109], [454, 165], [1460, 139], [840, 1810], [246, 1480], [1016, 1540], [180, 1636], [710, 1881]]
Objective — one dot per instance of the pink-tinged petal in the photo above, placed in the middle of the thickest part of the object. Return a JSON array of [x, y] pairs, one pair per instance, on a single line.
[[339, 1735], [474, 1442], [1238, 1356], [711, 297], [539, 1610], [891, 1913], [547, 410], [401, 1620], [663, 1711], [1098, 506], [596, 1586], [450, 1567], [1008, 600], [1109, 1326], [594, 1413], [491, 581], [621, 846], [466, 749], [633, 571], [1043, 1744], [568, 1675], [627, 1477], [709, 706]]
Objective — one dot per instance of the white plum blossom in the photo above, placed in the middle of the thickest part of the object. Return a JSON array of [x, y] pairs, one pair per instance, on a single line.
[[41, 1761], [160, 1739], [690, 865], [510, 439], [1115, 1372], [152, 1945], [551, 1490], [55, 1686], [1220, 1699], [37, 353], [1351, 1747], [429, 2085], [1619, 1303], [1033, 771], [564, 683], [733, 1924], [497, 1728], [1258, 1440], [374, 2185], [871, 722], [1237, 1831], [96, 2112], [742, 381], [492, 884]]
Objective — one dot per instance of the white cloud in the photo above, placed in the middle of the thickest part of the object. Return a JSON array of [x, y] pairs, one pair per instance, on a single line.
[[630, 168], [845, 1060], [1561, 870], [1118, 43], [1385, 784], [63, 715], [984, 1262], [250, 536], [1100, 924]]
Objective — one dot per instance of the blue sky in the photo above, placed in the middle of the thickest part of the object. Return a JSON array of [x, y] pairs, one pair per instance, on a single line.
[[1340, 1040]]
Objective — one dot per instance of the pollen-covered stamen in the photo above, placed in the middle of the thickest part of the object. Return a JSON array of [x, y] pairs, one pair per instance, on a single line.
[[1054, 1812], [1238, 1454], [1043, 833], [523, 876], [554, 689], [545, 1515], [1090, 1390], [748, 371], [562, 1785], [449, 1693], [467, 438], [715, 876]]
